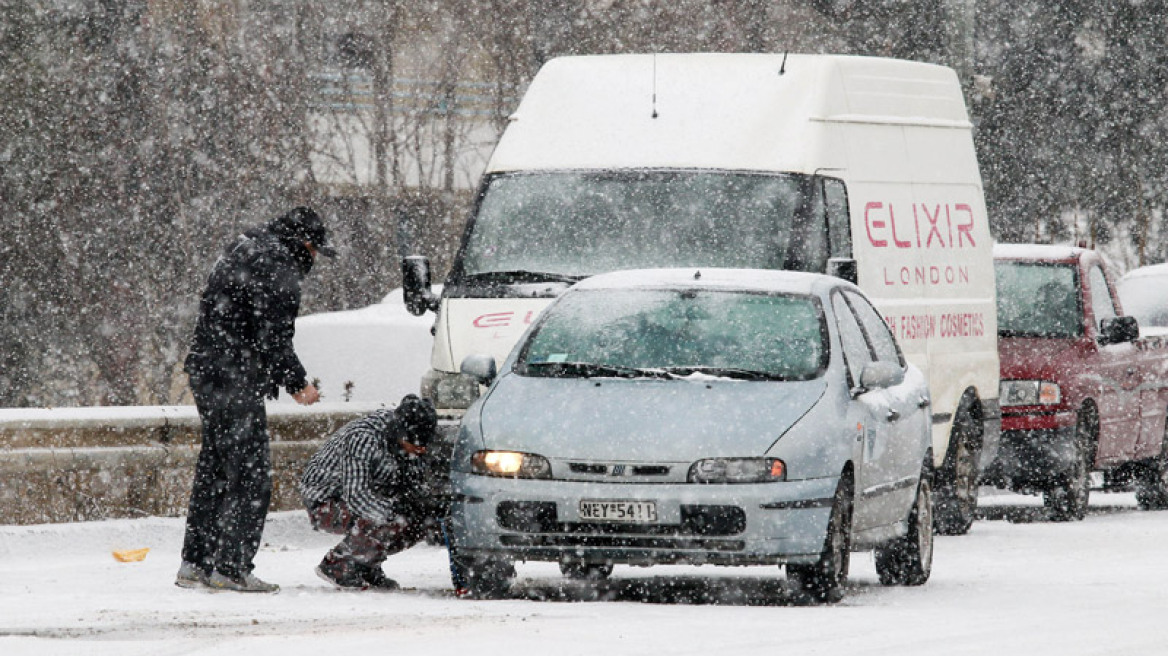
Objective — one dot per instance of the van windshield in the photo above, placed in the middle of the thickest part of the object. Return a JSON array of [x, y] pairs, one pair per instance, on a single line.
[[666, 333], [579, 223], [1038, 300]]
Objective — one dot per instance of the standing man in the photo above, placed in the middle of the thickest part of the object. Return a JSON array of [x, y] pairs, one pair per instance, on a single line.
[[368, 483], [241, 353]]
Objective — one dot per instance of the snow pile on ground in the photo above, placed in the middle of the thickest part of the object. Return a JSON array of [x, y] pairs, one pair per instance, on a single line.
[[1017, 584]]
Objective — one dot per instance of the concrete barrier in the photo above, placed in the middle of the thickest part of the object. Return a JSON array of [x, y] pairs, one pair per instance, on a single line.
[[76, 464]]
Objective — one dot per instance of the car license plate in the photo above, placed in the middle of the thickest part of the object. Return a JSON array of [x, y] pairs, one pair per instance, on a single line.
[[618, 511]]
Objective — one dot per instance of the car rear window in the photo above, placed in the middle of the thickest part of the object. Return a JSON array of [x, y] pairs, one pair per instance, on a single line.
[[1038, 300], [777, 336]]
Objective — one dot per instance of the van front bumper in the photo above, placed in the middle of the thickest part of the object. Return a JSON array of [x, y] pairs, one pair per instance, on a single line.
[[752, 524]]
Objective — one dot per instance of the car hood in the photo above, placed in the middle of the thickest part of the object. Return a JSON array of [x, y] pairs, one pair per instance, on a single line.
[[1028, 358], [642, 420]]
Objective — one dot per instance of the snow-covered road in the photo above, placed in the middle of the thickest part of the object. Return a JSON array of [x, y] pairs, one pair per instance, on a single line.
[[1016, 584]]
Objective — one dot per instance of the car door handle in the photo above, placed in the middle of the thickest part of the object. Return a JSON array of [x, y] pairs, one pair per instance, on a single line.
[[892, 415], [923, 402]]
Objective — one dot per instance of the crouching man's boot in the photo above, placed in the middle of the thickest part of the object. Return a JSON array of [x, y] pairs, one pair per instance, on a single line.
[[376, 579], [341, 572]]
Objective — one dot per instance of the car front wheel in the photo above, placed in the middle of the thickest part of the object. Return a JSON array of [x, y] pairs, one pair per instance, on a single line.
[[909, 560], [823, 580], [1067, 500]]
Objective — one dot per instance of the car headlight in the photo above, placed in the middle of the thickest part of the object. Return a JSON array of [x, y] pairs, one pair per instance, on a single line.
[[1029, 392], [511, 464], [449, 390], [738, 470]]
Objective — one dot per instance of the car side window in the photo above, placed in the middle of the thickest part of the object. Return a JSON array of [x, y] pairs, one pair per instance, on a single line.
[[883, 344], [1101, 302], [856, 351]]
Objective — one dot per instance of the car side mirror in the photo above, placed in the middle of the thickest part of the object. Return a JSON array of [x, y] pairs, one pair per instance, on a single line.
[[416, 289], [480, 367], [881, 375], [1117, 330], [843, 268]]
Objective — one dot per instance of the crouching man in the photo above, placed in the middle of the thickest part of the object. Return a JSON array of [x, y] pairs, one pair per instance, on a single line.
[[367, 482]]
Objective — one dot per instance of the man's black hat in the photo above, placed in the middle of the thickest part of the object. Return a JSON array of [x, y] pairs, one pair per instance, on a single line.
[[418, 417], [302, 224]]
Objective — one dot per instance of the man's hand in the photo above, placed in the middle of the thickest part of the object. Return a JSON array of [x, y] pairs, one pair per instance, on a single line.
[[307, 396]]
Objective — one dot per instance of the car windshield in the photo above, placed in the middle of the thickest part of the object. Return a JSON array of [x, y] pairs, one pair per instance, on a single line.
[[579, 223], [1038, 300], [1144, 298], [671, 333]]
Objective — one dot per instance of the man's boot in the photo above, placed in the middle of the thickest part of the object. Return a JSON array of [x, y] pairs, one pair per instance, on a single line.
[[341, 572]]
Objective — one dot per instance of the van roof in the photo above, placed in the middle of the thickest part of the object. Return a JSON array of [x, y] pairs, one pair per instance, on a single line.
[[720, 111], [754, 280]]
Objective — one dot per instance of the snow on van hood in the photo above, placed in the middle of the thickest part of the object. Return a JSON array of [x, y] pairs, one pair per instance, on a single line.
[[642, 420]]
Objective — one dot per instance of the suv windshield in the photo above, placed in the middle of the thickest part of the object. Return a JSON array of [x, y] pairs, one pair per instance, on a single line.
[[669, 333], [579, 223], [1038, 300]]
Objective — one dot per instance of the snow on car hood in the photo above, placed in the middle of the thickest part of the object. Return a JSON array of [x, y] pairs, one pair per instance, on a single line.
[[643, 420]]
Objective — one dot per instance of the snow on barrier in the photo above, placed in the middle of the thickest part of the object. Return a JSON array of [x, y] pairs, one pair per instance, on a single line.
[[75, 464]]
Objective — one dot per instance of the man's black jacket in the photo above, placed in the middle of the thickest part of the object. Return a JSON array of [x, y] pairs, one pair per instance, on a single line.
[[247, 316]]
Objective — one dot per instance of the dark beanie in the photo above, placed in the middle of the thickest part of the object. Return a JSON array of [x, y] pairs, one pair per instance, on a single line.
[[303, 224], [418, 417]]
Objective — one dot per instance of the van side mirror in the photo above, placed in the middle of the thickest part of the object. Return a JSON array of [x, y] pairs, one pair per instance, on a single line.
[[416, 289], [480, 367], [881, 375], [843, 268], [1117, 330]]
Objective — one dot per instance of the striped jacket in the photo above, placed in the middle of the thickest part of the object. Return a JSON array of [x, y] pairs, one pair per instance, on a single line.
[[363, 466]]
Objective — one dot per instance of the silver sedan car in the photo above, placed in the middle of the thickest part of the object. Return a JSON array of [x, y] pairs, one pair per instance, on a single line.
[[728, 417]]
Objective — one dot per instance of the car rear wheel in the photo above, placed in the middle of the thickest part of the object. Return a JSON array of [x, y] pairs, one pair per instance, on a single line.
[[1067, 500], [822, 581], [581, 571], [1152, 484], [956, 490], [909, 560]]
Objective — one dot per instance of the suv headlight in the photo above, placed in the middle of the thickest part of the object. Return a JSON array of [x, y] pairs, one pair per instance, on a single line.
[[449, 390], [738, 470], [510, 464], [1029, 392]]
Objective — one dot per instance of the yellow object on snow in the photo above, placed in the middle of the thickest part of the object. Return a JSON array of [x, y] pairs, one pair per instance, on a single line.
[[130, 555]]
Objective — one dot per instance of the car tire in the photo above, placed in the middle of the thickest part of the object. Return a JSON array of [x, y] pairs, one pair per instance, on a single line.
[[487, 577], [1152, 483], [1067, 500], [581, 571], [909, 560], [823, 580], [956, 488]]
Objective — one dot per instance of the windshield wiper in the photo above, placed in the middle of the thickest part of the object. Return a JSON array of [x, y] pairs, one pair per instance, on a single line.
[[521, 275], [595, 370], [724, 372]]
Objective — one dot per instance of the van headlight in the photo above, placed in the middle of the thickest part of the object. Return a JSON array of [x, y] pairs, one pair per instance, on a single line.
[[510, 464], [449, 390], [1029, 392], [738, 470]]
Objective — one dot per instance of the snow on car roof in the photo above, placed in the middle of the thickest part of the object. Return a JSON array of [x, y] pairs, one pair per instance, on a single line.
[[1037, 252], [737, 279], [1150, 271]]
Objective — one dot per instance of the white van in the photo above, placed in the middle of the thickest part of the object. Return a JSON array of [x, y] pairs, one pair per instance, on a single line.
[[860, 167]]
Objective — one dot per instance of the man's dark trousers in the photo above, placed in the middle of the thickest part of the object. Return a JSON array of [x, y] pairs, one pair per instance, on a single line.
[[233, 481]]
